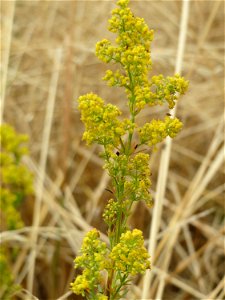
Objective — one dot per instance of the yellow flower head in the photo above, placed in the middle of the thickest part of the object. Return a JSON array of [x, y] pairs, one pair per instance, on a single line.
[[129, 255]]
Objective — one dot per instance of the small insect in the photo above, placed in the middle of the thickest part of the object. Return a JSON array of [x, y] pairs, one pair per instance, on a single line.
[[117, 153], [168, 114]]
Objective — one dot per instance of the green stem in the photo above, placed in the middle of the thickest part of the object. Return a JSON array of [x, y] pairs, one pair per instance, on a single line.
[[132, 110], [119, 219], [122, 283]]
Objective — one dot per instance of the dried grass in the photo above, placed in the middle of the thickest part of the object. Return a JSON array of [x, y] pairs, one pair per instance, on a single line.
[[39, 86]]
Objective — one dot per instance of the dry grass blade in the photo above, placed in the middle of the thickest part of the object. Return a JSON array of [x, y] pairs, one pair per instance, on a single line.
[[43, 161], [165, 158], [8, 8]]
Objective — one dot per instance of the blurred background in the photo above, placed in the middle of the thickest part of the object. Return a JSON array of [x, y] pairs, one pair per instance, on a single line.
[[47, 61]]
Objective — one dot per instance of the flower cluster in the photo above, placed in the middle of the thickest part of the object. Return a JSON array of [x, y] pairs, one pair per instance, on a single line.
[[116, 78], [132, 53], [132, 50], [16, 178], [101, 121], [167, 89], [132, 174], [12, 142], [117, 165], [100, 296], [106, 52], [138, 183], [16, 184], [92, 261], [126, 164], [157, 130], [7, 285], [129, 255], [160, 90], [111, 212], [131, 30], [11, 215]]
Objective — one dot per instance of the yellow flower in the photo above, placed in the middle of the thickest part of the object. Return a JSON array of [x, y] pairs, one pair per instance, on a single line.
[[167, 89], [129, 255], [101, 297], [92, 260], [127, 166], [101, 121], [157, 130], [16, 179], [80, 285]]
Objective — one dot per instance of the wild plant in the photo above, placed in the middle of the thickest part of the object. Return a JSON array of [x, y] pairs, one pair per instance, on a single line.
[[16, 185], [108, 269]]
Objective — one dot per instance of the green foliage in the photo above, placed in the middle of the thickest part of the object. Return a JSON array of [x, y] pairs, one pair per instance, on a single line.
[[128, 167], [7, 285], [16, 184], [16, 179]]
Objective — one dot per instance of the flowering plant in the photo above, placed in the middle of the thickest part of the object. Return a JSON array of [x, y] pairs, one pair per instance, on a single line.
[[107, 270], [16, 185]]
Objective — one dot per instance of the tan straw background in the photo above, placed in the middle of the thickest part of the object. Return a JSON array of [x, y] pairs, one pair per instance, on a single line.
[[47, 61]]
